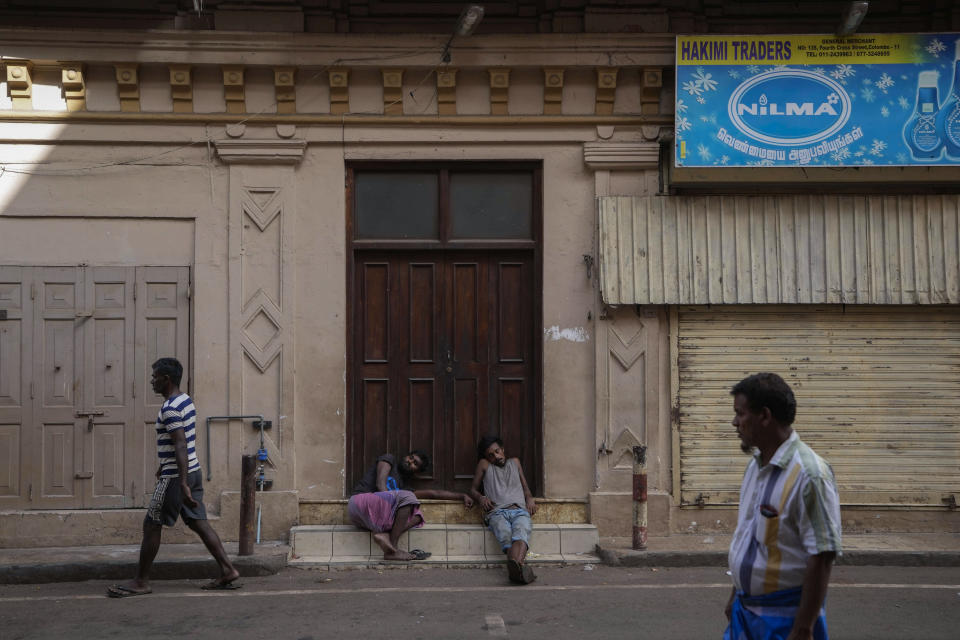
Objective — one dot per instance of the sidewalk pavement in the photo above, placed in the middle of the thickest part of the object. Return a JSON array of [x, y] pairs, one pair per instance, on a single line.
[[191, 561], [119, 562], [706, 550]]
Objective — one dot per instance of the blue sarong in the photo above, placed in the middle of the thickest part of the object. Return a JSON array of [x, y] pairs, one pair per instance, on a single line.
[[769, 616]]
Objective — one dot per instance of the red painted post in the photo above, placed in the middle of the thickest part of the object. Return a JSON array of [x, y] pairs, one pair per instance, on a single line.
[[640, 497]]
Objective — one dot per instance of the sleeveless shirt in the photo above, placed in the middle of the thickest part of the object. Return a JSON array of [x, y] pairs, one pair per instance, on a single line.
[[502, 485]]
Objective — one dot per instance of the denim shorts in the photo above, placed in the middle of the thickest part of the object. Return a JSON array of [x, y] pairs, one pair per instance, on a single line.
[[510, 525]]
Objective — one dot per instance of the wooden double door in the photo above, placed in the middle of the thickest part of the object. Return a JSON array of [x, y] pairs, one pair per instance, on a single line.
[[445, 350], [76, 406]]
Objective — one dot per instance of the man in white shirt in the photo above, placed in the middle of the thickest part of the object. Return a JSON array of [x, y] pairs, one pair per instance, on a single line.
[[788, 525]]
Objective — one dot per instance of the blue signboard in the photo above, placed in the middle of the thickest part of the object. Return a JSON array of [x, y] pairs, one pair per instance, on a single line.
[[782, 100]]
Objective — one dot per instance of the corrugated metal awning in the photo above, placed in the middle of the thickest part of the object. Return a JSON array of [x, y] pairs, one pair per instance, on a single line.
[[780, 249]]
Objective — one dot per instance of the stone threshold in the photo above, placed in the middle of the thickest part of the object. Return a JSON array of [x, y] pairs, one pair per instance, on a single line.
[[451, 545], [550, 511]]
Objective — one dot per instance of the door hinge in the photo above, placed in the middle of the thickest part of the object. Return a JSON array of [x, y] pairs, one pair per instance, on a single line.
[[189, 291], [134, 292], [30, 492], [33, 290], [133, 388], [31, 390]]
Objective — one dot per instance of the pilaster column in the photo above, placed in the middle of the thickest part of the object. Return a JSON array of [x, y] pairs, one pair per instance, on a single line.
[[262, 214]]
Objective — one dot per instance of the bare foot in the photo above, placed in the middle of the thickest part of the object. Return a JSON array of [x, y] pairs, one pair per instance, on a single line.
[[383, 541], [398, 555]]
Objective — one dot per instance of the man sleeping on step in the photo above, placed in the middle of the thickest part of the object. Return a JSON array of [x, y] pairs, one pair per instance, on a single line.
[[379, 503]]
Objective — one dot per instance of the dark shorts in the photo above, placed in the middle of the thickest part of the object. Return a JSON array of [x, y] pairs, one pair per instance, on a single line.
[[167, 503]]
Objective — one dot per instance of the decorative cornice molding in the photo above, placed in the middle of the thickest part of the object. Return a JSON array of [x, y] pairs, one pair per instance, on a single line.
[[499, 90], [552, 91], [72, 87], [606, 90], [447, 92], [234, 93], [621, 155], [20, 84], [128, 87], [261, 151], [284, 80], [363, 50], [181, 88]]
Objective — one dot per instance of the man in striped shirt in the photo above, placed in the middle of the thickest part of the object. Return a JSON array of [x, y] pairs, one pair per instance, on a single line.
[[788, 525], [179, 490]]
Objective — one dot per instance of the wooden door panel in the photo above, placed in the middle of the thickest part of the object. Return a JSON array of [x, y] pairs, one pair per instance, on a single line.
[[109, 462], [58, 358], [112, 452], [162, 320], [16, 406], [59, 361], [417, 358], [437, 330], [422, 342], [469, 324], [513, 413], [467, 427], [423, 400], [513, 370], [59, 460], [376, 308], [375, 418], [513, 333]]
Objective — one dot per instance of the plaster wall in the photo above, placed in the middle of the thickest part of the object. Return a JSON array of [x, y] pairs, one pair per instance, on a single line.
[[121, 186], [133, 214]]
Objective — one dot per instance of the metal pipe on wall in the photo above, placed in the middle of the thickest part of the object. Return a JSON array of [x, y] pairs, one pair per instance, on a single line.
[[211, 419]]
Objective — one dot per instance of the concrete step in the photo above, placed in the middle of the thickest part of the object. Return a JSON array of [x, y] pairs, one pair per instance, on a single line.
[[339, 545]]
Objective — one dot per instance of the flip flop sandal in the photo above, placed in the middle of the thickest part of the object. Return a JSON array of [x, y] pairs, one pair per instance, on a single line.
[[420, 554], [121, 591], [515, 571], [216, 585], [526, 574]]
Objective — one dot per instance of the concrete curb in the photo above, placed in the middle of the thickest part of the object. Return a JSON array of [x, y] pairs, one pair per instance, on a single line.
[[877, 558], [124, 569]]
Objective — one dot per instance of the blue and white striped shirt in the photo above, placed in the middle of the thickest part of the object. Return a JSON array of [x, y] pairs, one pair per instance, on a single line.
[[176, 413]]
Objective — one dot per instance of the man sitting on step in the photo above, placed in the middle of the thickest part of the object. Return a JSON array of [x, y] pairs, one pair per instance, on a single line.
[[379, 503], [507, 504]]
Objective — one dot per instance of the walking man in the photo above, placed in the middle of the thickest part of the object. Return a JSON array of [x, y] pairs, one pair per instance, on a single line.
[[179, 490], [788, 525], [507, 505]]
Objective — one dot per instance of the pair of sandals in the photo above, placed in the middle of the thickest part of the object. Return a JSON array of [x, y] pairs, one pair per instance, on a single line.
[[123, 591], [520, 573], [420, 554]]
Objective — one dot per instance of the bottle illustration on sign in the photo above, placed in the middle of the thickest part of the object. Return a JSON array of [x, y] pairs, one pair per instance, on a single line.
[[948, 120], [921, 132]]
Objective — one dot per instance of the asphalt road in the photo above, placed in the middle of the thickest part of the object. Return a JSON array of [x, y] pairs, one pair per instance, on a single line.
[[869, 603]]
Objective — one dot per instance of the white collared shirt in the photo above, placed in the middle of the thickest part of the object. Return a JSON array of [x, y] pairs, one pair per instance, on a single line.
[[789, 510]]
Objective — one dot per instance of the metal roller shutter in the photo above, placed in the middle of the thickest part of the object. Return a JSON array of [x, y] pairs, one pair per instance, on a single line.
[[878, 396]]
